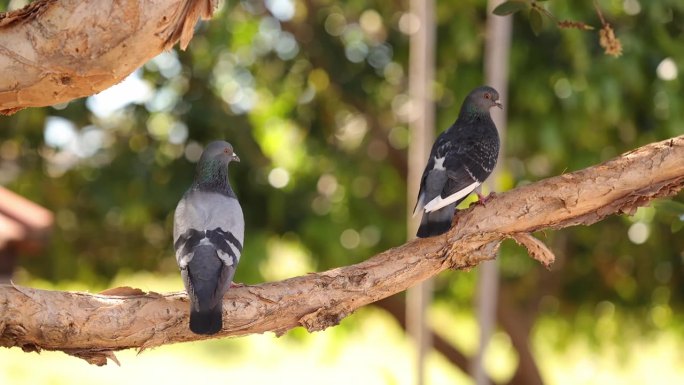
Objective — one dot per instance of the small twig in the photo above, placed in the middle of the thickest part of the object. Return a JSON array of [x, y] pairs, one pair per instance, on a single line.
[[564, 24], [599, 13], [571, 24], [544, 11]]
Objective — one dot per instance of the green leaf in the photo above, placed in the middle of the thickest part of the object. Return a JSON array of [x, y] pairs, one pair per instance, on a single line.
[[509, 7], [676, 225], [536, 21], [669, 206]]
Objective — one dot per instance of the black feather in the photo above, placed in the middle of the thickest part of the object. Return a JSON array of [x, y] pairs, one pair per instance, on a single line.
[[437, 222], [206, 322], [223, 240]]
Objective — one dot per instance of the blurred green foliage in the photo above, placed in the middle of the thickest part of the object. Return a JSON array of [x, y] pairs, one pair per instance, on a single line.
[[313, 96]]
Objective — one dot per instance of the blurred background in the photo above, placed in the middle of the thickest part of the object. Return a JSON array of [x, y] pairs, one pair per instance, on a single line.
[[313, 94]]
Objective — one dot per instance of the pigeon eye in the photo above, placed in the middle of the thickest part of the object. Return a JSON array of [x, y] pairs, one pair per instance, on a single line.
[[487, 95]]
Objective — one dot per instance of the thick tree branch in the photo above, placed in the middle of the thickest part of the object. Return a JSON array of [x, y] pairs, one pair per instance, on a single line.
[[92, 326], [53, 51]]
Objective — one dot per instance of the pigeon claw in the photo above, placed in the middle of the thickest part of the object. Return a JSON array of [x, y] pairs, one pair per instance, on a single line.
[[236, 284], [482, 200]]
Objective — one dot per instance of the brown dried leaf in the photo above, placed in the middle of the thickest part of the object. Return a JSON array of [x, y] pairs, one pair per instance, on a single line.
[[609, 42]]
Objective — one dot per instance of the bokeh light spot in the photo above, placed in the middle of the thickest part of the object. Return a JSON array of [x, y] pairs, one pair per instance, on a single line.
[[562, 88], [193, 151], [409, 23], [327, 184], [282, 9], [319, 79], [335, 24], [631, 7], [278, 177], [370, 21], [667, 69], [638, 233], [350, 239], [59, 132]]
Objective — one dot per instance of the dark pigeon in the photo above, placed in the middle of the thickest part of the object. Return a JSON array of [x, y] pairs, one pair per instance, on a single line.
[[461, 159], [208, 230]]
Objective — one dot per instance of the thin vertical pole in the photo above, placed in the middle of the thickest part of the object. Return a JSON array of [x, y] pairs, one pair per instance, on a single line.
[[497, 48], [421, 125]]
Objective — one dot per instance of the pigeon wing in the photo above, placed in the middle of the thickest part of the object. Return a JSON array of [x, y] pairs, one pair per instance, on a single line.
[[462, 174], [434, 176]]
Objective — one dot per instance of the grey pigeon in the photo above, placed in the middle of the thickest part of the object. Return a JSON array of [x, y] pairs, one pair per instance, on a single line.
[[208, 230], [461, 159]]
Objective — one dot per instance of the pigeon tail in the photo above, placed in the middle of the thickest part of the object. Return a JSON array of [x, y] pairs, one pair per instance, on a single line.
[[436, 222], [209, 278], [207, 321]]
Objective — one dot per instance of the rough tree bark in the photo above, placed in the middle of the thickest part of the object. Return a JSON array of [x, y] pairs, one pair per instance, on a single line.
[[53, 51], [92, 326]]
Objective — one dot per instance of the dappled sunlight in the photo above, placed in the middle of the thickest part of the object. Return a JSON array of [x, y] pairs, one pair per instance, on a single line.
[[653, 360], [133, 89], [286, 258]]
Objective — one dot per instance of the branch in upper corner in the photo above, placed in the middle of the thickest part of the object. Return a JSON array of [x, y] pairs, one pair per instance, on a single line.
[[49, 57], [93, 326]]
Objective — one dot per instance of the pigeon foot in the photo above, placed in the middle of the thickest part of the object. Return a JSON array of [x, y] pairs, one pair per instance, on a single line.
[[482, 200]]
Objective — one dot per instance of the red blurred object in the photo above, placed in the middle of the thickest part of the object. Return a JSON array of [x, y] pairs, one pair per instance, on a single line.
[[24, 229]]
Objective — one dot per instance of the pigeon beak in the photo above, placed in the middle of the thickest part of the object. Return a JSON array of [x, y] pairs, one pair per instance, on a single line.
[[236, 158], [498, 104]]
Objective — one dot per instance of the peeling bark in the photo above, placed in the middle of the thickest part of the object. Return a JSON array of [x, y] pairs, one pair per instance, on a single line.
[[92, 326], [535, 248], [53, 51]]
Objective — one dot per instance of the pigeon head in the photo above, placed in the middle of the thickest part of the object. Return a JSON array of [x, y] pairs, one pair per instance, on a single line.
[[480, 100], [218, 151], [212, 168]]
